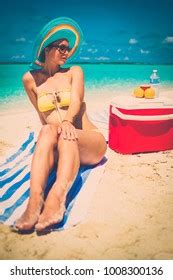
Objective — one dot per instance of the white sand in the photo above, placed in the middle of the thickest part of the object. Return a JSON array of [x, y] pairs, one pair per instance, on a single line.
[[130, 217]]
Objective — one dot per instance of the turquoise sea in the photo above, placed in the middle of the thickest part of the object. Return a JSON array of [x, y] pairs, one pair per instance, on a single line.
[[99, 78]]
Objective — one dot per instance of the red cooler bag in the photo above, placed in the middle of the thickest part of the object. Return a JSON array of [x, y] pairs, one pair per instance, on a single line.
[[140, 125]]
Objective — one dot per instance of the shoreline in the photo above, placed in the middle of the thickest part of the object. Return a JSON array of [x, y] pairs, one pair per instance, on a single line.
[[102, 97]]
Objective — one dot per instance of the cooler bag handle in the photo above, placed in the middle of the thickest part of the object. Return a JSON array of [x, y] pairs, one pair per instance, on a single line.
[[139, 117]]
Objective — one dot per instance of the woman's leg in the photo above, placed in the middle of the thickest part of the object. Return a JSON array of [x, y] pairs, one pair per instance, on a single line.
[[68, 166], [92, 146], [42, 162], [88, 149]]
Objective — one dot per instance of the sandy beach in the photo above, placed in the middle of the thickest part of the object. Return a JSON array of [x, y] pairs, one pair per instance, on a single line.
[[131, 213]]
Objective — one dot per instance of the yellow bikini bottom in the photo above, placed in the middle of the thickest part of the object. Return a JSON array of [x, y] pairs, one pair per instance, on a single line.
[[51, 101]]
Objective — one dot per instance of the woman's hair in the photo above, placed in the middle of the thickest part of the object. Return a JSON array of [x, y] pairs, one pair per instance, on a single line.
[[42, 55]]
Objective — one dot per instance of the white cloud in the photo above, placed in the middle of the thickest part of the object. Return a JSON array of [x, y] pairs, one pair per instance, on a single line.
[[126, 58], [133, 41], [144, 52], [84, 57], [22, 39], [102, 58], [119, 50], [18, 56], [15, 56], [92, 50], [168, 39]]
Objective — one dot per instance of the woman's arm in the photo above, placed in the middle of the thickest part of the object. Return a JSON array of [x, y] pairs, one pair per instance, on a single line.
[[77, 93], [29, 85]]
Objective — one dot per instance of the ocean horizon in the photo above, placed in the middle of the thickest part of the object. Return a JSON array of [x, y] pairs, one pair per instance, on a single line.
[[95, 62]]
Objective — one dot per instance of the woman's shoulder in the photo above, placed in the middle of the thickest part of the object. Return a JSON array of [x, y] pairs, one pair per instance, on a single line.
[[27, 76], [29, 80], [76, 68], [76, 71], [33, 76], [72, 69]]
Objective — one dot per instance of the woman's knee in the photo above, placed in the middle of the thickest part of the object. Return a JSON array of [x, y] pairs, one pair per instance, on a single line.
[[91, 159], [101, 151], [63, 143], [48, 132], [93, 155]]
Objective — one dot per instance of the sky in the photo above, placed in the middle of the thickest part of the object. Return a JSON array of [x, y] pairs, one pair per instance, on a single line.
[[126, 31]]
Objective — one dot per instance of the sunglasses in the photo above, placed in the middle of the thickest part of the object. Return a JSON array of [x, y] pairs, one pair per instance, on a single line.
[[62, 48]]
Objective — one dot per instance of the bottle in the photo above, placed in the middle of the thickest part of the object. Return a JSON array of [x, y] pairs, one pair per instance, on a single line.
[[155, 82]]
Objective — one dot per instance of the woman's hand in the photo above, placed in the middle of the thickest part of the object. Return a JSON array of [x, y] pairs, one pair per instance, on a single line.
[[68, 130]]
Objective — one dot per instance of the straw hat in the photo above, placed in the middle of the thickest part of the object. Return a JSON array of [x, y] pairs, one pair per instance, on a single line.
[[59, 28]]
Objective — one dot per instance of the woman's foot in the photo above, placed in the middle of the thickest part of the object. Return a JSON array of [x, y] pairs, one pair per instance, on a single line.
[[53, 212], [31, 215]]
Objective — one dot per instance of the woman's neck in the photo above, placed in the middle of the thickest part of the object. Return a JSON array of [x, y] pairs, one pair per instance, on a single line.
[[50, 69]]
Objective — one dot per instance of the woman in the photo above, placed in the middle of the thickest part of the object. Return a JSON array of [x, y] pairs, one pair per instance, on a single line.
[[67, 135]]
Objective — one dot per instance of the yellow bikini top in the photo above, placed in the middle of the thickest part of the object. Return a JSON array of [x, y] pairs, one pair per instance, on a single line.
[[50, 101]]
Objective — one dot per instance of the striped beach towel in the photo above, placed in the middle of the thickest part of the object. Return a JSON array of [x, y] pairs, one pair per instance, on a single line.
[[14, 187]]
